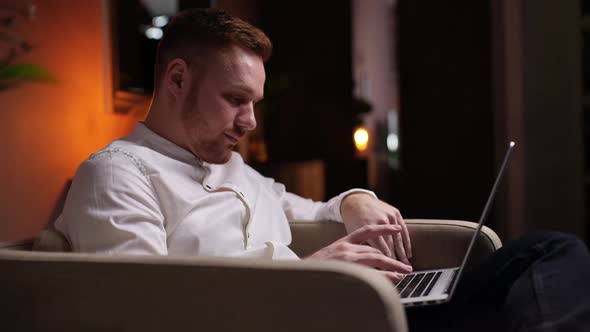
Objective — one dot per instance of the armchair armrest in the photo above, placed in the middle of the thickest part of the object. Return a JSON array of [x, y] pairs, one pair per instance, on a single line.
[[80, 292], [435, 243]]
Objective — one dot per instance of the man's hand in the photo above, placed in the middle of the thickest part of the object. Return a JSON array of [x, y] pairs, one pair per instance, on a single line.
[[360, 209], [351, 249]]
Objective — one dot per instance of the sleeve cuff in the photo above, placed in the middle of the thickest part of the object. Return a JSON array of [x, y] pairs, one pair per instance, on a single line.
[[334, 203]]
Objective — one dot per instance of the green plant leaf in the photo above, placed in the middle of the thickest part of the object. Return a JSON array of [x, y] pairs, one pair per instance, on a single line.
[[14, 74]]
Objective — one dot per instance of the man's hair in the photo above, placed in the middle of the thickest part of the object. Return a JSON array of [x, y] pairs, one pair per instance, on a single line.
[[193, 33]]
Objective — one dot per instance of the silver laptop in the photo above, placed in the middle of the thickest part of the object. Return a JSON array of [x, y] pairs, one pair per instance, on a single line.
[[437, 286]]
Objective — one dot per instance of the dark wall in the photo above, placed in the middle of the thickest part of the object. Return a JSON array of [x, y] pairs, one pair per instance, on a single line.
[[312, 117], [134, 69], [133, 72], [446, 108]]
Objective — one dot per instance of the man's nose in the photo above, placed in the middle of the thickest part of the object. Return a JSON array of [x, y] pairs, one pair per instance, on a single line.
[[246, 118]]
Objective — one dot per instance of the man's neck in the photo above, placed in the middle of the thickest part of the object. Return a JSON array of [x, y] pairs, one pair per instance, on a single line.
[[159, 120]]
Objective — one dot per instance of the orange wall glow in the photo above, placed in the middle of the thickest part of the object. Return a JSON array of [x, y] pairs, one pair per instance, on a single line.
[[48, 129]]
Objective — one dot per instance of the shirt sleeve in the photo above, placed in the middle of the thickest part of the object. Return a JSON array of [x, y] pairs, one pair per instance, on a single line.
[[112, 208], [303, 209]]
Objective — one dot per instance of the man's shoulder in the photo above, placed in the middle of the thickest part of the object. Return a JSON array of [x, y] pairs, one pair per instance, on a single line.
[[118, 152]]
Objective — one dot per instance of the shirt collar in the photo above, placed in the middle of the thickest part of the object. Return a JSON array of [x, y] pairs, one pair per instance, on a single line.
[[145, 136]]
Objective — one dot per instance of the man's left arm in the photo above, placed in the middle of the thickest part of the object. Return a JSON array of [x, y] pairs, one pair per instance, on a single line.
[[360, 209], [355, 208]]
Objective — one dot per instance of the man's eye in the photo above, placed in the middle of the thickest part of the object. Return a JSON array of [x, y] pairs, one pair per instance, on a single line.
[[237, 100]]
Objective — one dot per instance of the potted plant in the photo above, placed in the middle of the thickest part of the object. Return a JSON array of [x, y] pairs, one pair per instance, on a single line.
[[13, 46]]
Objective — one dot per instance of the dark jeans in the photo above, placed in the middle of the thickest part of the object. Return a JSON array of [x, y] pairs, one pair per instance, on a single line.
[[540, 282]]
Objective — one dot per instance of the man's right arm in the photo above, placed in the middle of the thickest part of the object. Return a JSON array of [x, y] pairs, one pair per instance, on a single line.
[[112, 208], [352, 248]]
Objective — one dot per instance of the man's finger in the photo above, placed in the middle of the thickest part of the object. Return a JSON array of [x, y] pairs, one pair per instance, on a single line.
[[382, 262], [379, 243], [390, 245], [364, 249], [367, 232], [399, 249], [405, 236], [398, 243], [393, 276]]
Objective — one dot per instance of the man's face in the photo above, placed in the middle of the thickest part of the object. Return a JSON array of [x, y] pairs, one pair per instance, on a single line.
[[219, 109]]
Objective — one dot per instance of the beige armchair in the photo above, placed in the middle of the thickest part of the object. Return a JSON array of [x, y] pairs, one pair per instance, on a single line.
[[47, 289]]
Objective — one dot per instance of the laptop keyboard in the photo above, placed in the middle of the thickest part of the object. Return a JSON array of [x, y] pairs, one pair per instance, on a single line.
[[418, 284], [451, 283]]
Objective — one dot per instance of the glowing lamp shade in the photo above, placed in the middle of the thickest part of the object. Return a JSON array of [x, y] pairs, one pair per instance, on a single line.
[[361, 139]]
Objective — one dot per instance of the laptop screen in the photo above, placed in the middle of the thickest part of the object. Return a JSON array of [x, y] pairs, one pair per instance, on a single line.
[[483, 216]]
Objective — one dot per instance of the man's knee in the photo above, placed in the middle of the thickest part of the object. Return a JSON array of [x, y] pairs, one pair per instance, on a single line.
[[558, 242], [544, 242], [545, 236]]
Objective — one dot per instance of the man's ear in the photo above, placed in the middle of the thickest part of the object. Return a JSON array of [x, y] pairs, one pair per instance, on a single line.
[[176, 77]]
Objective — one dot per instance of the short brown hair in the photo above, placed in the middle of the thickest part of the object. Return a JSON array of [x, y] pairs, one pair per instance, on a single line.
[[192, 33]]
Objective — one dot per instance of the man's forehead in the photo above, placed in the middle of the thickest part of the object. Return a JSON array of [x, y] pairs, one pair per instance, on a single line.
[[241, 71], [237, 85]]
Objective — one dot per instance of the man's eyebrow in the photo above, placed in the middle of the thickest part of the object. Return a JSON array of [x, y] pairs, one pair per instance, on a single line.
[[246, 89]]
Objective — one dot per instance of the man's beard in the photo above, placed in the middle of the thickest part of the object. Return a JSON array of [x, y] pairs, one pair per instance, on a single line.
[[213, 150], [216, 153]]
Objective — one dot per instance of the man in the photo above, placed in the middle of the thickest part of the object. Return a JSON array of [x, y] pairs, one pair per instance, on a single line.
[[174, 186]]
